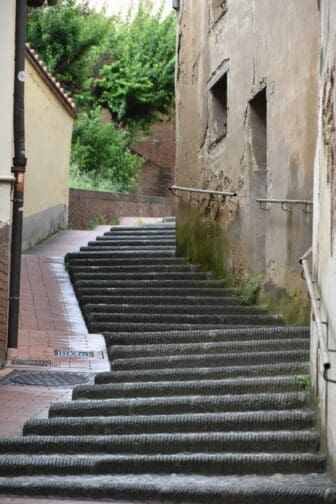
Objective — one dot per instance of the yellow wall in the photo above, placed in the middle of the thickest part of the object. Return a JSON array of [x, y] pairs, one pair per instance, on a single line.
[[48, 142]]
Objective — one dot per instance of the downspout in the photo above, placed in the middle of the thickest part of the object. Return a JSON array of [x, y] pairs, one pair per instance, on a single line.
[[19, 168]]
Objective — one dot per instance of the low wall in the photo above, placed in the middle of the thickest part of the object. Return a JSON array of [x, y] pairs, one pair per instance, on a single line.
[[88, 207], [3, 290]]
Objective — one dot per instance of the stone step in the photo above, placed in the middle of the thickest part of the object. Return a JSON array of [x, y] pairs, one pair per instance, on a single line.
[[268, 384], [207, 336], [222, 347], [143, 283], [126, 255], [126, 277], [140, 233], [278, 441], [107, 261], [202, 422], [155, 291], [132, 242], [116, 327], [297, 369], [171, 309], [283, 489], [211, 359], [126, 249], [206, 463], [142, 268], [160, 299], [179, 405], [174, 319], [148, 227]]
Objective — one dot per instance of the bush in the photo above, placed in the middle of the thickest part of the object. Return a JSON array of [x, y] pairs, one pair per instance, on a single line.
[[100, 155]]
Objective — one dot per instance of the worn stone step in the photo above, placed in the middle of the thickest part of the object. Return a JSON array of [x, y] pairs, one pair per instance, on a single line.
[[141, 231], [98, 327], [147, 227], [120, 254], [127, 262], [278, 441], [140, 424], [172, 309], [207, 336], [129, 351], [297, 369], [133, 242], [206, 463], [210, 359], [142, 268], [105, 319], [126, 249], [160, 299], [127, 276], [266, 384], [153, 283], [155, 291], [179, 405], [280, 489]]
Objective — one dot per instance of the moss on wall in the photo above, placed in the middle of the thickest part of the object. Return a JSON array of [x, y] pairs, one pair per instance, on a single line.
[[204, 243], [292, 305]]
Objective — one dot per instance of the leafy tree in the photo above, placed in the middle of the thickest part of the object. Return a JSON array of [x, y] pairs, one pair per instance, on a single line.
[[101, 150], [137, 84], [66, 39]]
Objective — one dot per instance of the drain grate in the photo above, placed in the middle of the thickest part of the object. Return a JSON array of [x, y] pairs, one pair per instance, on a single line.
[[30, 362], [46, 378], [73, 353]]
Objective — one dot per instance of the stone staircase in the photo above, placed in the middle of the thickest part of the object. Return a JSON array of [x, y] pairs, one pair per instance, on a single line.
[[203, 404]]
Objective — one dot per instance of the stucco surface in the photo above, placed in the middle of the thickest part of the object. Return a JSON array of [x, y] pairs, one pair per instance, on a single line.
[[324, 249], [48, 142], [260, 45]]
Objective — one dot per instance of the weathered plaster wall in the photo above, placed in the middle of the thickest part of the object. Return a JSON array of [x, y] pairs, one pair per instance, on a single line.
[[261, 44], [48, 143], [324, 228], [7, 30]]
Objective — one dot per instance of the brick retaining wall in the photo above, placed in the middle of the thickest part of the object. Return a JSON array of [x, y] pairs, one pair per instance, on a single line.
[[87, 207], [4, 234]]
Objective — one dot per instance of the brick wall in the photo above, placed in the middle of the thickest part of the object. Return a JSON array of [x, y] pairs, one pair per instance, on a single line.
[[87, 207], [155, 180], [159, 171], [3, 290]]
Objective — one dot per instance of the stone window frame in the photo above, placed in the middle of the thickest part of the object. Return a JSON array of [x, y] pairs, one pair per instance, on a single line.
[[218, 107]]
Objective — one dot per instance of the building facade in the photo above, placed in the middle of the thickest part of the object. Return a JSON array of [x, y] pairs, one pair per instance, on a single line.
[[247, 104], [256, 115], [324, 230]]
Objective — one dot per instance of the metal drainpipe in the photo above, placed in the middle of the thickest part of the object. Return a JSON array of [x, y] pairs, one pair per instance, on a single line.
[[19, 168]]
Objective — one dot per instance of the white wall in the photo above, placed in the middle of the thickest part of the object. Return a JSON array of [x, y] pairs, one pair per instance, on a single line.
[[7, 51]]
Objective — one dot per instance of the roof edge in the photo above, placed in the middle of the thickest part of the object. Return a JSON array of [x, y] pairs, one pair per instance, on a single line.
[[50, 81]]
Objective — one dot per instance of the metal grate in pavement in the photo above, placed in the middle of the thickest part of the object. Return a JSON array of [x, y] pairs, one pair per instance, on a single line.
[[46, 378], [30, 362]]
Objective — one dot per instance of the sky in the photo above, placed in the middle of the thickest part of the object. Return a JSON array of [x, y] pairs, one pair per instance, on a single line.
[[122, 6]]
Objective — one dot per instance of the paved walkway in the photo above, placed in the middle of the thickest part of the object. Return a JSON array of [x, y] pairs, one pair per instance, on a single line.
[[50, 323], [50, 319]]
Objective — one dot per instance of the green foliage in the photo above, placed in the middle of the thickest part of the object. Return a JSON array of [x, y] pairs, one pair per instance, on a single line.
[[101, 151], [125, 66], [304, 381], [249, 296], [66, 38], [137, 83]]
